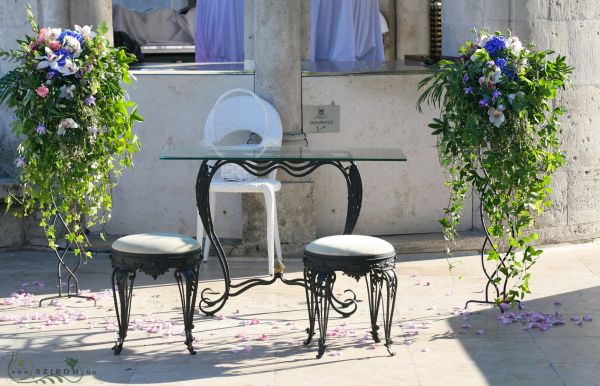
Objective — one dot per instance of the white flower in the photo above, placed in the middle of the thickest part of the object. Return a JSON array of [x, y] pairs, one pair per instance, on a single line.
[[515, 45], [85, 31], [512, 97], [50, 60], [67, 91], [67, 123], [53, 33], [496, 76], [482, 40], [521, 64], [496, 116], [72, 45], [69, 68]]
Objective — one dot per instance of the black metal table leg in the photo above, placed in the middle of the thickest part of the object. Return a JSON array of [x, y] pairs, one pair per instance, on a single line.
[[187, 293], [124, 286], [211, 302]]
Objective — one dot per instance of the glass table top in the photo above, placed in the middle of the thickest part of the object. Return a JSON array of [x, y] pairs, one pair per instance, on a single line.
[[284, 153]]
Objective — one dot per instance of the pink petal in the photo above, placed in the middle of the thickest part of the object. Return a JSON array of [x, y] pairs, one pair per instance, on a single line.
[[587, 318], [263, 337], [479, 332]]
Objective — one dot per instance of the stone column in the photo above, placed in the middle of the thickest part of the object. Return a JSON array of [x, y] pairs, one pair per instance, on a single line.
[[412, 27], [278, 50], [571, 28]]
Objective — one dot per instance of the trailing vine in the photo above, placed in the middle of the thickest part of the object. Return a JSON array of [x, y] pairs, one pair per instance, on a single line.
[[499, 136], [74, 124]]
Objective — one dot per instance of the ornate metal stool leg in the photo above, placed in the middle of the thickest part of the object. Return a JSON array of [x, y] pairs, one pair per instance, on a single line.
[[323, 292], [374, 285], [187, 293], [124, 282], [310, 289], [391, 284]]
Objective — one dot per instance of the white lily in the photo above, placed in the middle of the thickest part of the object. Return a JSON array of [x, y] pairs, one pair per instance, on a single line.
[[69, 68], [67, 91], [50, 60], [72, 45], [67, 123], [496, 117], [53, 33], [496, 76], [515, 45], [85, 31]]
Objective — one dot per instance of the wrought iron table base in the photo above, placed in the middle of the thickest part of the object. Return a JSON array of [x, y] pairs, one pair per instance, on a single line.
[[210, 306], [319, 298], [124, 273]]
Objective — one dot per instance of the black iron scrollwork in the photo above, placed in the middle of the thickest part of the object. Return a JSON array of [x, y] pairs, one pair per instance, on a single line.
[[210, 301]]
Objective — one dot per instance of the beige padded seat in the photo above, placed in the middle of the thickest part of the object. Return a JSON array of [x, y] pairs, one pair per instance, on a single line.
[[350, 245], [356, 256], [156, 244]]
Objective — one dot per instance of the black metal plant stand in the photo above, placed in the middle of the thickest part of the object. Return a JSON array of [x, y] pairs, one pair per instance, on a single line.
[[211, 305], [62, 265], [494, 281]]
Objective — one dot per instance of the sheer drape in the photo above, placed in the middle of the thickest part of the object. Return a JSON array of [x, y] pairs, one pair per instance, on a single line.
[[219, 33], [346, 30]]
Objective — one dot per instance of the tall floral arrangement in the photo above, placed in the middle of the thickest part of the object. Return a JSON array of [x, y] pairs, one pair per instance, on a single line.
[[498, 133], [74, 124]]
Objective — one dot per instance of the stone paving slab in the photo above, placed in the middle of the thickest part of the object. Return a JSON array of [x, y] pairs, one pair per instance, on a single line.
[[257, 338]]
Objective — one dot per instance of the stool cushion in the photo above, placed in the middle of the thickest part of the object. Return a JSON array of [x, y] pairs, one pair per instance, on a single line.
[[350, 246], [156, 244]]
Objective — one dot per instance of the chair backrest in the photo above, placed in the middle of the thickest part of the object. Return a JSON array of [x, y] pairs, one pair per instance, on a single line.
[[238, 111]]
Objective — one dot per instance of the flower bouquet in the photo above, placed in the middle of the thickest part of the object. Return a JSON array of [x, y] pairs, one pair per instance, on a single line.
[[74, 123], [498, 135]]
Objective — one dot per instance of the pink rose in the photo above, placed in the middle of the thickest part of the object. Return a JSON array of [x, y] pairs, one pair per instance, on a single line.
[[42, 90], [42, 35], [54, 45]]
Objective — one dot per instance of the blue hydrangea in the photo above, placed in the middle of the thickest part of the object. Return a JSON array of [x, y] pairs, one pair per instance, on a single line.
[[65, 55], [70, 33], [495, 45], [505, 68]]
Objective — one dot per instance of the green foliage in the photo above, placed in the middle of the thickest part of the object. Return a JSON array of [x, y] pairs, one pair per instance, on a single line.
[[499, 135], [75, 139]]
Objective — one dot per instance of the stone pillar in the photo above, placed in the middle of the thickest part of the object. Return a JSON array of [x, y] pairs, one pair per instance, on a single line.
[[412, 27], [278, 50]]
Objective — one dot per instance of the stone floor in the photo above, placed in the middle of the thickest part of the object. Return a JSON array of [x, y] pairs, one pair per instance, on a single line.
[[257, 338]]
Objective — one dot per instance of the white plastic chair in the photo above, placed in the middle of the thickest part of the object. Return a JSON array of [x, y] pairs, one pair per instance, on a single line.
[[236, 111]]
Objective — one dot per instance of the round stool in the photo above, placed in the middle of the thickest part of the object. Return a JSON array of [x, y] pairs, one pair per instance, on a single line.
[[355, 256], [154, 254]]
